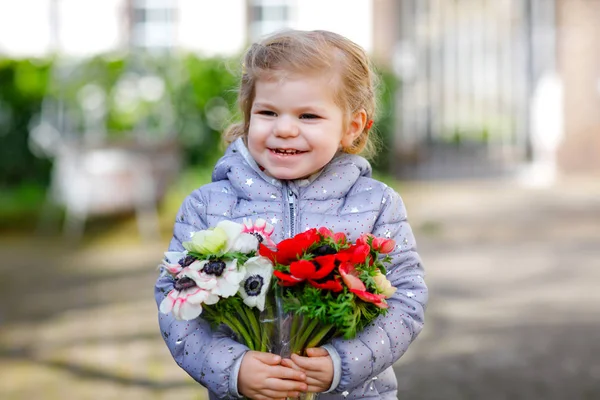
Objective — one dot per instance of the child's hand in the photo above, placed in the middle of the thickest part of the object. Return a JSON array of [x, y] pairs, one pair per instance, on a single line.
[[262, 377], [318, 367]]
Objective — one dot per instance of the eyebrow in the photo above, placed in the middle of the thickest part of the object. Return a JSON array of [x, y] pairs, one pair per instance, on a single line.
[[315, 109], [262, 105]]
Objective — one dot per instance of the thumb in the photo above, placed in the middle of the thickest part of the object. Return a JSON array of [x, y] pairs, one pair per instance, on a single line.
[[317, 352], [267, 358]]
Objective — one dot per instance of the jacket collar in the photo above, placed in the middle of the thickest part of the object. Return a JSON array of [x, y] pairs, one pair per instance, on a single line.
[[334, 180]]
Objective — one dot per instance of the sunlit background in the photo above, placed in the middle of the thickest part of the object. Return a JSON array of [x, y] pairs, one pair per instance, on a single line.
[[111, 113]]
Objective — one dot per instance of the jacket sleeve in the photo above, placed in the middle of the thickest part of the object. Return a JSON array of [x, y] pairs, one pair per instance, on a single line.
[[381, 344], [207, 356]]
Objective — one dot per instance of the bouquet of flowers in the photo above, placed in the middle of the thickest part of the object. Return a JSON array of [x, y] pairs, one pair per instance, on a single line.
[[329, 287], [221, 276]]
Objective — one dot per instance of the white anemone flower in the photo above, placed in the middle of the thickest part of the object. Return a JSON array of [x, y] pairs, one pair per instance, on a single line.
[[186, 299], [174, 261], [222, 278], [260, 229], [186, 304], [226, 236], [254, 287], [237, 240]]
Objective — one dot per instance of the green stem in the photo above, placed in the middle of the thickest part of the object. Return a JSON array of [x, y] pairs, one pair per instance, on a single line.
[[315, 341], [294, 329], [305, 334], [299, 324], [247, 324], [255, 326], [240, 330]]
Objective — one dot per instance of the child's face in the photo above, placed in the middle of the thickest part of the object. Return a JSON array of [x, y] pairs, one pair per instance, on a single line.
[[296, 127]]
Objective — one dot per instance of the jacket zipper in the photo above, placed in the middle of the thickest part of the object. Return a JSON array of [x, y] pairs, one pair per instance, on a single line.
[[292, 208]]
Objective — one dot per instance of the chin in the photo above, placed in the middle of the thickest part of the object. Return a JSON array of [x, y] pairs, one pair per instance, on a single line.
[[286, 175]]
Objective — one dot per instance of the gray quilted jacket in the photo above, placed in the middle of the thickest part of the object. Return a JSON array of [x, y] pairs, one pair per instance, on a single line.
[[342, 197]]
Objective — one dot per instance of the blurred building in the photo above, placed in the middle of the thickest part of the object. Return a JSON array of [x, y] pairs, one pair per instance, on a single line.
[[224, 27], [489, 88], [494, 88]]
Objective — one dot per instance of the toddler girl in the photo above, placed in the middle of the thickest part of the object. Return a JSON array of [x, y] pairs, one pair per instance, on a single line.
[[308, 102]]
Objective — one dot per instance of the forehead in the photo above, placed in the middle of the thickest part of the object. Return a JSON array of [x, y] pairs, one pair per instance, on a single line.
[[298, 86]]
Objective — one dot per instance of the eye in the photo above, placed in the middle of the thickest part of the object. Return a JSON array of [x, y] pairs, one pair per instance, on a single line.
[[267, 113], [309, 116]]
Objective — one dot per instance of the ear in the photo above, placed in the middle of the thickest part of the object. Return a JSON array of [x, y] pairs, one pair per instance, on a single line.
[[355, 128]]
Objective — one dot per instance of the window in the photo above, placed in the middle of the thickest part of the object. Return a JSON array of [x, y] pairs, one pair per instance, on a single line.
[[267, 16], [152, 24]]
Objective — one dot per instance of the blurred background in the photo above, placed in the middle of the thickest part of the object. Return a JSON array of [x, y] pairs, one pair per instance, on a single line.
[[111, 113]]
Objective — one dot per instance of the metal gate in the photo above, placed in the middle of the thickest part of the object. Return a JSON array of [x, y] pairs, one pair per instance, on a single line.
[[468, 70]]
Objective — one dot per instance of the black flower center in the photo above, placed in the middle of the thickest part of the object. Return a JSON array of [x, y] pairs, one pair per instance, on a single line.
[[258, 236], [186, 261], [324, 250], [215, 268], [253, 285], [184, 283]]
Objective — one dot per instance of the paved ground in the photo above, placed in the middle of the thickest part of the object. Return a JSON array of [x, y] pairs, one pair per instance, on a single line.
[[514, 310]]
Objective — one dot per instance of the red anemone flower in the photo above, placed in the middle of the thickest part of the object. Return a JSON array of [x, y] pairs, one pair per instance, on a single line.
[[355, 254], [291, 249], [315, 271]]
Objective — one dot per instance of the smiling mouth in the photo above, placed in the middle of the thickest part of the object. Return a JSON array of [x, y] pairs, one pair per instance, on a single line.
[[287, 152]]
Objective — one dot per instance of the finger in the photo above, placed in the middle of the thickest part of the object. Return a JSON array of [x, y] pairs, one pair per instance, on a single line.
[[317, 352], [305, 363], [282, 372], [281, 387], [267, 358], [317, 388], [286, 362]]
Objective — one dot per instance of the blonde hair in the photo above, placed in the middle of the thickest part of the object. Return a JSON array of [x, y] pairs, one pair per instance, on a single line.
[[294, 51]]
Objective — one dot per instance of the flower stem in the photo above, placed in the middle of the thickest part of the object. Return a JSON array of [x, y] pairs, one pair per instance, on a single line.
[[244, 320], [305, 333], [240, 330], [315, 341]]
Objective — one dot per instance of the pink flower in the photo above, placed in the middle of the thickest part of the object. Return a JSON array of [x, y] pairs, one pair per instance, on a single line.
[[356, 286], [379, 244], [261, 229], [338, 237], [384, 245]]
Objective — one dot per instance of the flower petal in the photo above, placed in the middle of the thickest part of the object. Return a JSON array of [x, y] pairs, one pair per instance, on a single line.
[[258, 270], [384, 245], [303, 269], [350, 277], [172, 269], [377, 299], [173, 257], [244, 243], [211, 241], [167, 304], [188, 311], [326, 265], [326, 232], [334, 285], [286, 279]]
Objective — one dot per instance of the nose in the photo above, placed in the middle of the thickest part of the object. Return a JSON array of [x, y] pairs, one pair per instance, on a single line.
[[286, 126]]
